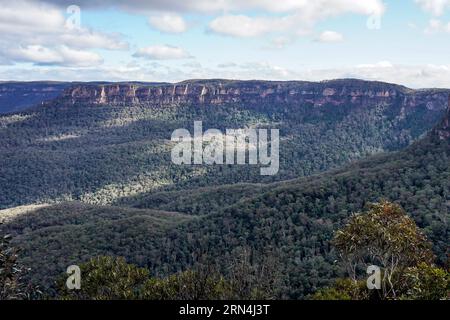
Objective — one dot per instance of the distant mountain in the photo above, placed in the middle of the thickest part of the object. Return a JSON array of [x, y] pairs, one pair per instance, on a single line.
[[18, 96], [100, 142], [294, 218]]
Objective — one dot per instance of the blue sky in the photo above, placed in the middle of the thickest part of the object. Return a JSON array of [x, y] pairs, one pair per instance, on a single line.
[[406, 42]]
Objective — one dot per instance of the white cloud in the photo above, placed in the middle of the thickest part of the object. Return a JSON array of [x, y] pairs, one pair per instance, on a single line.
[[280, 42], [302, 16], [414, 76], [378, 65], [436, 7], [23, 16], [330, 36], [192, 64], [293, 17], [85, 38], [227, 65], [168, 22], [209, 6], [61, 55], [161, 52], [37, 33], [436, 26], [244, 26], [29, 22]]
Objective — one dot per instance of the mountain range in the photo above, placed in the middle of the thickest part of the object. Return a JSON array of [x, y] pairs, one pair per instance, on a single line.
[[88, 172]]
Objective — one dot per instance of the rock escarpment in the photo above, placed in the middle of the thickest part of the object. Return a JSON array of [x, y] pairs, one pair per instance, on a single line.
[[218, 92], [443, 129]]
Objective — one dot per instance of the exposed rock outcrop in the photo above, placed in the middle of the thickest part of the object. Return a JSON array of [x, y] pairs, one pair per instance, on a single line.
[[217, 92], [443, 129]]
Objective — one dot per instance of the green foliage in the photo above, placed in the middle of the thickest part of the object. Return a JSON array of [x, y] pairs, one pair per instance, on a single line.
[[107, 278], [54, 237], [343, 289], [102, 153], [382, 233], [12, 284], [427, 282], [387, 237], [9, 273], [111, 278], [120, 155], [298, 217], [188, 285]]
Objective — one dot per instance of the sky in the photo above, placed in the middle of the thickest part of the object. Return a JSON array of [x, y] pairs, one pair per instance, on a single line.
[[400, 41]]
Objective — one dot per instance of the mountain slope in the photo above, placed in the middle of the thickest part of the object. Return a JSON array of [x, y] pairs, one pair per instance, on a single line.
[[53, 237], [295, 218], [300, 216], [100, 142]]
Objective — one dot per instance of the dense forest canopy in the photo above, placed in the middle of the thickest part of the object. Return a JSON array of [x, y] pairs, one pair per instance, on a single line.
[[96, 180], [79, 147]]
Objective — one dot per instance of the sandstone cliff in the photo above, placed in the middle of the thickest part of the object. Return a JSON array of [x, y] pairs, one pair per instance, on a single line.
[[216, 92]]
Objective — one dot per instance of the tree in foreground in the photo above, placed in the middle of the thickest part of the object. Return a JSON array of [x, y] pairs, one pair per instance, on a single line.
[[107, 278], [427, 282], [385, 236], [112, 278]]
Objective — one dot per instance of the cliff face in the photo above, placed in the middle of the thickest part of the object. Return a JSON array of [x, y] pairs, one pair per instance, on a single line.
[[216, 92], [443, 129]]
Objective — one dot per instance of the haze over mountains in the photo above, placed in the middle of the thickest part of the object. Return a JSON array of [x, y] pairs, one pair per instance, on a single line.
[[17, 96], [107, 146]]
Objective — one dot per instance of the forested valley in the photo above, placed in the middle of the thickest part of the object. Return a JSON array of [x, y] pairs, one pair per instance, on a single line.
[[85, 183]]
